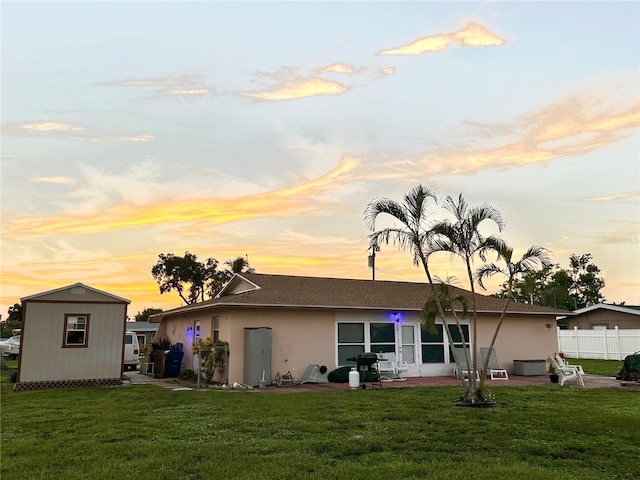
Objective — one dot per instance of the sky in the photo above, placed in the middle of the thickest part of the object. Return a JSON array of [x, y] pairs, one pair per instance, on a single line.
[[263, 129]]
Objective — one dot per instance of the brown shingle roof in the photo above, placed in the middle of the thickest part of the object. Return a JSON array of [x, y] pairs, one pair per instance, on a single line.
[[341, 293]]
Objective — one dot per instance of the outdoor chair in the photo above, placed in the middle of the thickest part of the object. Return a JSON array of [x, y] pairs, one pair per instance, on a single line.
[[563, 363], [567, 372], [464, 373], [495, 371], [386, 368], [401, 367], [389, 368]]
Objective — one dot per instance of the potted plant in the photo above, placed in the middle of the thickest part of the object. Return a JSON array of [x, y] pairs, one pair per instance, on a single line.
[[551, 369]]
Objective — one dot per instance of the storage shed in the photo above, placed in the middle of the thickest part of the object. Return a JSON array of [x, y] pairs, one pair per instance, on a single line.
[[71, 336]]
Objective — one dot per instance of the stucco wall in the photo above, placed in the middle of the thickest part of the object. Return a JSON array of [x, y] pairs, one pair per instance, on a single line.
[[43, 358], [521, 337], [299, 338], [303, 337]]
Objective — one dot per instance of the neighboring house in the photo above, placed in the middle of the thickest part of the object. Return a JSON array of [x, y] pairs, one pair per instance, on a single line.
[[71, 336], [603, 316], [326, 321], [144, 331]]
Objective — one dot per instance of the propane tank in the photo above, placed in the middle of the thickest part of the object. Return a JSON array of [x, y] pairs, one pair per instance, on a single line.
[[354, 378]]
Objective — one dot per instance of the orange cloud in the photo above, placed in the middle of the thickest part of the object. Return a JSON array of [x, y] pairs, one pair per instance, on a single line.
[[337, 68], [298, 89], [52, 179], [211, 211], [473, 35], [566, 128]]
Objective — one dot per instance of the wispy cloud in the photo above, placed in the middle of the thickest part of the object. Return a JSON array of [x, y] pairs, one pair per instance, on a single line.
[[473, 35], [183, 86], [573, 126], [50, 127], [617, 196], [338, 68], [294, 200], [52, 179], [67, 131], [298, 89], [293, 83]]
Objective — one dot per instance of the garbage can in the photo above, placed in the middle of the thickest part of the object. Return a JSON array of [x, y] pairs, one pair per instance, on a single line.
[[173, 362]]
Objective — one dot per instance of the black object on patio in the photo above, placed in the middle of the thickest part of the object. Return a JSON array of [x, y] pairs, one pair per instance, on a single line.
[[630, 368], [367, 366]]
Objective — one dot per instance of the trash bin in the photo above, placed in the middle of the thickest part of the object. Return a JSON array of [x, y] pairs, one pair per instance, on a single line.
[[173, 362]]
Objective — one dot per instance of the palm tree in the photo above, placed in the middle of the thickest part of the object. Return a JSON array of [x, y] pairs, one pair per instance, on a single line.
[[535, 256], [413, 234], [462, 238], [239, 265]]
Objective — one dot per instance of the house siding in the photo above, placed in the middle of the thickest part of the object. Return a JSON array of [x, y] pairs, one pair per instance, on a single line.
[[44, 359], [610, 318]]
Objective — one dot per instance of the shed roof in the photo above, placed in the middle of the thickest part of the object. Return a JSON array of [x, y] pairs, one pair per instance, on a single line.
[[287, 291], [71, 287]]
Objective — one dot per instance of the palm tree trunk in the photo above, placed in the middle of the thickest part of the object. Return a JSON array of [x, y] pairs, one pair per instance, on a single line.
[[503, 314], [443, 318]]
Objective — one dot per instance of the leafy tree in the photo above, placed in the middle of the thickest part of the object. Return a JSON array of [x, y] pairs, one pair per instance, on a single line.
[[571, 289], [144, 315], [587, 282], [14, 320], [194, 280], [186, 275]]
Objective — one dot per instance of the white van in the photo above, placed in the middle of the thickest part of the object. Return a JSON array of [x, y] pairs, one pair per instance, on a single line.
[[131, 351]]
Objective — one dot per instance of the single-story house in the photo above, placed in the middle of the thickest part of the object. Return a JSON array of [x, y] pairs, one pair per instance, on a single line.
[[145, 331], [603, 316], [71, 336], [326, 321]]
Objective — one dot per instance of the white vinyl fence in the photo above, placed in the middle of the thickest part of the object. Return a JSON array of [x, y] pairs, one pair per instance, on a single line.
[[613, 344]]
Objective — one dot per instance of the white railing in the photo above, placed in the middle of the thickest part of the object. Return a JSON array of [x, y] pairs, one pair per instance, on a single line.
[[608, 344]]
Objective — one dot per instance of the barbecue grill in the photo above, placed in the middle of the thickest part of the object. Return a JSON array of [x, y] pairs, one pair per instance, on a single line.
[[367, 365]]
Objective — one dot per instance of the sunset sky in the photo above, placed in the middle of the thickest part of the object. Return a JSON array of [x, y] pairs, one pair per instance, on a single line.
[[131, 129]]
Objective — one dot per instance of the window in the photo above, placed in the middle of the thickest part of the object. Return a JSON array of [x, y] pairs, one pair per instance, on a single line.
[[76, 330], [383, 337], [433, 344], [350, 341], [216, 329]]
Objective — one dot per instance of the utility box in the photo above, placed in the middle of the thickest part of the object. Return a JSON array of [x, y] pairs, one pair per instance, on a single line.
[[529, 368], [257, 356]]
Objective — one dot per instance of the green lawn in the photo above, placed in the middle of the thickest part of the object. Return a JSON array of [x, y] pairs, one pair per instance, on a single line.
[[146, 432], [608, 368]]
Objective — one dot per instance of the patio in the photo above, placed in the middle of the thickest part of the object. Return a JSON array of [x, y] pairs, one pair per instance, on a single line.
[[590, 381]]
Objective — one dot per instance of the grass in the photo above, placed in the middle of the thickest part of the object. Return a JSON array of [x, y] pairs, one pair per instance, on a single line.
[[146, 432], [608, 368]]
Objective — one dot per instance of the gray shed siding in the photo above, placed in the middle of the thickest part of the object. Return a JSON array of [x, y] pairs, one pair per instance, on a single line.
[[45, 359]]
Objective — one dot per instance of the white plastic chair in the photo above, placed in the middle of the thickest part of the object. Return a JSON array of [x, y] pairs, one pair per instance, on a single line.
[[567, 372], [495, 371], [563, 363], [401, 367]]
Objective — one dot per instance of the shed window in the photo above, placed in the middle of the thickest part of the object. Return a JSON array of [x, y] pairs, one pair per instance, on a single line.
[[76, 330]]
